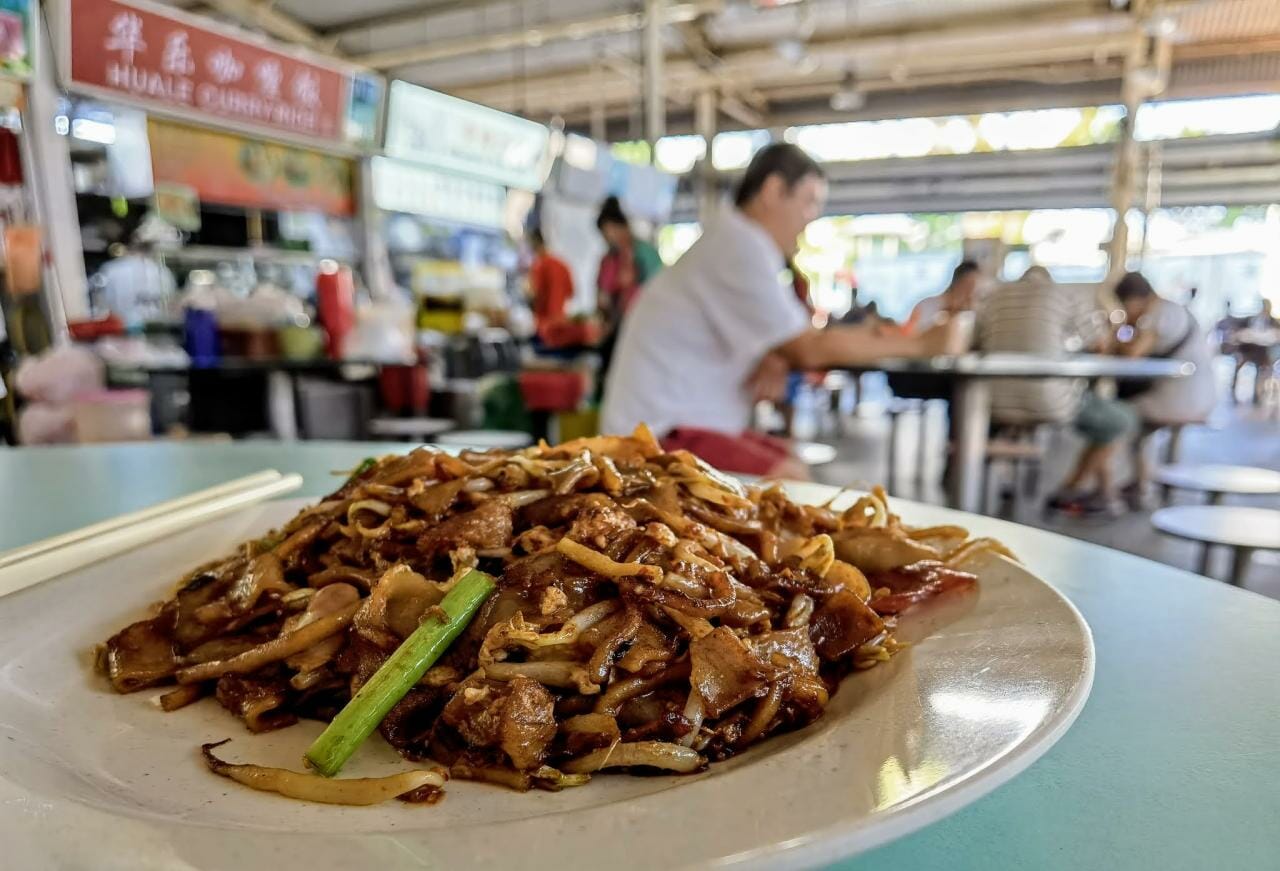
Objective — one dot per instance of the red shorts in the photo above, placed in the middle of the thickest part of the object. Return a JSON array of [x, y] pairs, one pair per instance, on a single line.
[[750, 453]]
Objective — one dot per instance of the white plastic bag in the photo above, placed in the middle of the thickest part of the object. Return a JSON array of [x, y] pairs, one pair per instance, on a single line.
[[59, 374], [43, 423]]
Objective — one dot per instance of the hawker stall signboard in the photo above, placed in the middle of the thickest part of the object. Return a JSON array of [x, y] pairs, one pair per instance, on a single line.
[[417, 190], [464, 138], [237, 171], [201, 70]]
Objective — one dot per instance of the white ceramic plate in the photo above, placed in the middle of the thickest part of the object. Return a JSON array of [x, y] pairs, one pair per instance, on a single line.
[[92, 779]]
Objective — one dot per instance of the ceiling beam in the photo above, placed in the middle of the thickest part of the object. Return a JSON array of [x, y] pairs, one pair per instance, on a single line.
[[884, 95], [748, 116], [530, 37], [413, 15], [843, 46], [744, 105], [981, 51], [263, 15]]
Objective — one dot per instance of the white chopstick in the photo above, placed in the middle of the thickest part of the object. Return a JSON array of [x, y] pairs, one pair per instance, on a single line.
[[156, 522], [27, 551]]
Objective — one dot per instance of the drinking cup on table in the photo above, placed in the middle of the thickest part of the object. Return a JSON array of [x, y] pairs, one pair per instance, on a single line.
[[961, 326]]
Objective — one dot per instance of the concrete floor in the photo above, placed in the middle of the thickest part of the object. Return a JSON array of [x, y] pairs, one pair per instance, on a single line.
[[1235, 435]]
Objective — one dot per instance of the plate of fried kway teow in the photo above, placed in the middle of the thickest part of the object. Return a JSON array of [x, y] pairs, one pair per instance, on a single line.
[[598, 654]]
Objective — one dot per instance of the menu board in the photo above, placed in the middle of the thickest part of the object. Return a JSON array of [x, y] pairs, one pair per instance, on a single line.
[[457, 136], [417, 190], [164, 58], [237, 171]]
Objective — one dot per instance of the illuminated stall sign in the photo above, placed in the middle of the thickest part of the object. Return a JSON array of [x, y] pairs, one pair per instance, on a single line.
[[169, 60], [463, 138], [417, 190]]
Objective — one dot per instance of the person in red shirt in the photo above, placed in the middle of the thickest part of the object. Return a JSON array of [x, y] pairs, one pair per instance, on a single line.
[[551, 284]]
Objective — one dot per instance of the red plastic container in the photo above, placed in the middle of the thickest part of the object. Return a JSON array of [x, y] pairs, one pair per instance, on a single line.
[[572, 334], [404, 388], [87, 331], [336, 306], [552, 391]]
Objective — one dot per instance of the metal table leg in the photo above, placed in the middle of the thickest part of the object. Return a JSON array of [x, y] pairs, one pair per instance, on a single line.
[[282, 405], [973, 418], [1206, 551], [890, 482], [922, 452], [1240, 557]]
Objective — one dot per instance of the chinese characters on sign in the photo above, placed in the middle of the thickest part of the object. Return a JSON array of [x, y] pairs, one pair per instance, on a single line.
[[427, 127], [146, 53]]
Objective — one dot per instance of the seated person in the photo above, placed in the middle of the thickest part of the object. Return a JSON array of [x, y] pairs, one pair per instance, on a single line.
[[959, 296], [1254, 343], [722, 328], [1033, 315], [1153, 327]]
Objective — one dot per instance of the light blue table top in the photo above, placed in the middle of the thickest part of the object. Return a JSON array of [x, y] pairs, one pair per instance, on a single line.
[[1173, 764]]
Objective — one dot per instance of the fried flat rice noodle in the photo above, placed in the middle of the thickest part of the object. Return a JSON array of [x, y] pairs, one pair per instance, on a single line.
[[651, 614], [358, 791]]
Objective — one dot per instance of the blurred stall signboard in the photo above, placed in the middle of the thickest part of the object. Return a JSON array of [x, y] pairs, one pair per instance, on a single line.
[[167, 59], [586, 172], [236, 171], [16, 38], [464, 138], [179, 204], [417, 190]]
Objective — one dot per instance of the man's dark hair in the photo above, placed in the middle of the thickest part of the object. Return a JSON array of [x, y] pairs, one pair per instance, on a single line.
[[611, 213], [1134, 286], [535, 238], [790, 162], [965, 267]]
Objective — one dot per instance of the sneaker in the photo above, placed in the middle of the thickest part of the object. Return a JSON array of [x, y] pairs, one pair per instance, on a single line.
[[1065, 500], [1085, 505], [1097, 505], [1135, 497]]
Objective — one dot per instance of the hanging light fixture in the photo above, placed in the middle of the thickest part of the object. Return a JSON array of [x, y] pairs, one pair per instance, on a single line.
[[848, 97]]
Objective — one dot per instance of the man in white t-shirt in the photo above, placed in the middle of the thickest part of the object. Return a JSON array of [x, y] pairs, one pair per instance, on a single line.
[[722, 327]]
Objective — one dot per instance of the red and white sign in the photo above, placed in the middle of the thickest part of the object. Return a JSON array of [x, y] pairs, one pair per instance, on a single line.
[[168, 59]]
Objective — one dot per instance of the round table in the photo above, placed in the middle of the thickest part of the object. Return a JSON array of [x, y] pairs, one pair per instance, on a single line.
[[814, 453], [1217, 481], [405, 428], [1172, 764], [971, 401], [1242, 528], [485, 439]]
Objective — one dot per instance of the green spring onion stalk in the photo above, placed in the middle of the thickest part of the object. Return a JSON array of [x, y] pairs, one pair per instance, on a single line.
[[365, 465], [404, 668]]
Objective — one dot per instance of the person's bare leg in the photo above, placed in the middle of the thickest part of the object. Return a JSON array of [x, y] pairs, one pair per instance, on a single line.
[[1094, 466], [1141, 467], [1086, 468], [1102, 471]]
